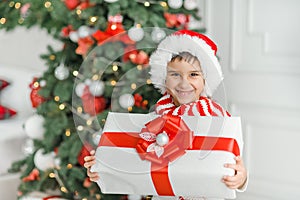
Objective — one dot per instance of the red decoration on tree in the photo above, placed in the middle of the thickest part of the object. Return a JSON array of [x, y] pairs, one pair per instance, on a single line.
[[35, 98], [91, 104], [34, 175], [84, 44], [65, 32], [139, 58], [72, 4], [177, 20], [85, 151]]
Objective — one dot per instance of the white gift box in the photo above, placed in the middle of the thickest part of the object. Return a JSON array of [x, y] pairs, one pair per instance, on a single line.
[[198, 172], [41, 196]]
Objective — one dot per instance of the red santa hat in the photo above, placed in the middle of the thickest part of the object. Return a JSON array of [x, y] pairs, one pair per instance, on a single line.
[[196, 44]]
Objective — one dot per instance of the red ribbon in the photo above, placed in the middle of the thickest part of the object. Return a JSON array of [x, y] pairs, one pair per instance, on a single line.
[[181, 139]]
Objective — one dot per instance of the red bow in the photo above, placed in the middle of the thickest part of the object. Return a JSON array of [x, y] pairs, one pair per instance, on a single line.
[[180, 135]]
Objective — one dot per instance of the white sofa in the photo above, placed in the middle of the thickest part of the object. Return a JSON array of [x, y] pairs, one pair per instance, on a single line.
[[12, 135]]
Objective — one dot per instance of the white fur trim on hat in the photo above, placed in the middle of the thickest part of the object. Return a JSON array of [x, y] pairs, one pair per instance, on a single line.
[[176, 43]]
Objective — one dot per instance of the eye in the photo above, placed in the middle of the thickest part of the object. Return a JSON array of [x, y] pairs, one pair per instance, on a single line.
[[194, 74], [175, 74]]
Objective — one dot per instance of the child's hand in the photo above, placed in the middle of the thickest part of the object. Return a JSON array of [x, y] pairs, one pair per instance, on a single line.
[[239, 179], [89, 162]]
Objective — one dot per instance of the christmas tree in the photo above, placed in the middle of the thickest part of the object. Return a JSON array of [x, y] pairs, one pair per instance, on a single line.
[[102, 67]]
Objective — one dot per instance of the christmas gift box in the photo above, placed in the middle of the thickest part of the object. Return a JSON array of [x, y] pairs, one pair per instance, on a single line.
[[41, 196], [167, 155]]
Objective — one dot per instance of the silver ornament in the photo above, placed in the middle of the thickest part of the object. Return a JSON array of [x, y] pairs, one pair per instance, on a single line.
[[79, 89], [61, 72], [162, 139], [74, 37], [175, 4], [157, 34], [126, 100], [43, 83], [97, 88], [136, 33], [84, 31], [190, 4]]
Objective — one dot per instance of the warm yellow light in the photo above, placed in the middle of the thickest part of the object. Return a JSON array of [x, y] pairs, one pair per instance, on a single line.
[[21, 20], [149, 81], [68, 132], [75, 73], [93, 19], [95, 77], [80, 128], [78, 12], [133, 86], [2, 20], [89, 122], [139, 67], [103, 120], [52, 175], [138, 25], [129, 109], [69, 166], [36, 84], [163, 4], [145, 102], [63, 189], [56, 98], [115, 68], [52, 57], [147, 4], [62, 106], [18, 5], [98, 196], [11, 4], [47, 4], [113, 82], [79, 109], [113, 27]]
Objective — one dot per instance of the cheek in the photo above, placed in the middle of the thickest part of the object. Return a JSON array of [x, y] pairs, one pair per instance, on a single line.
[[170, 83]]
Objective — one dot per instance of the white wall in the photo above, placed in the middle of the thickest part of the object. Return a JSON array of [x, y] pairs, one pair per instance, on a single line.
[[259, 50]]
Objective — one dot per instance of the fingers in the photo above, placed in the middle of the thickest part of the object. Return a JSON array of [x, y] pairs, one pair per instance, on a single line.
[[240, 177], [89, 161]]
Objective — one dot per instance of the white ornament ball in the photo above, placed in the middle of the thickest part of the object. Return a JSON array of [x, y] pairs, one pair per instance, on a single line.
[[175, 4], [44, 161], [84, 31], [158, 34], [79, 89], [162, 139], [136, 33], [97, 88], [74, 37], [88, 81], [57, 162], [190, 4], [43, 83], [34, 127], [111, 1], [126, 100], [61, 72]]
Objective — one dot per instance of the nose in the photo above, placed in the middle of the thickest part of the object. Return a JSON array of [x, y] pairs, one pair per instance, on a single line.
[[184, 83]]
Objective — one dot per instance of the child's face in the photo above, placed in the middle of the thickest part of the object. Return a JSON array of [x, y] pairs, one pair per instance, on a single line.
[[184, 82]]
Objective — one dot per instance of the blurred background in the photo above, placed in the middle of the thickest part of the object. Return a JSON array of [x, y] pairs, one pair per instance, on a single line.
[[258, 46]]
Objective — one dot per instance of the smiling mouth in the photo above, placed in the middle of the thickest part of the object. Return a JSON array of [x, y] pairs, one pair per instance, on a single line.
[[184, 93]]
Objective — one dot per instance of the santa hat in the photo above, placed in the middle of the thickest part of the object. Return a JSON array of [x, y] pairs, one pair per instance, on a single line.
[[196, 44]]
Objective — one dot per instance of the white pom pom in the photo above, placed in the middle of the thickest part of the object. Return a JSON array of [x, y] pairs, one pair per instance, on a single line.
[[44, 161], [126, 100], [175, 4], [97, 88], [61, 72], [34, 127], [136, 33]]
